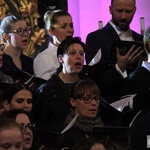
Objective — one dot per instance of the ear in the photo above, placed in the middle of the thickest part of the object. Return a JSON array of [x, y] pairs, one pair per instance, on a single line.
[[134, 9], [73, 102], [6, 36], [60, 59], [110, 9], [51, 32], [6, 105]]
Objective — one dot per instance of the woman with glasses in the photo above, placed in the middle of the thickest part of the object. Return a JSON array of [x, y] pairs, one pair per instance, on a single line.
[[85, 101], [25, 121], [16, 34], [59, 26]]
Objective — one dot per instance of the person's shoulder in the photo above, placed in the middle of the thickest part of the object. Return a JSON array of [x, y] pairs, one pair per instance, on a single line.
[[47, 53], [100, 31], [137, 36], [52, 81], [41, 54], [96, 32], [137, 73], [6, 57], [27, 58], [136, 33]]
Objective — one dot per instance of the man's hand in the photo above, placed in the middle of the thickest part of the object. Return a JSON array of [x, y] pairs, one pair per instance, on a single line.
[[131, 56]]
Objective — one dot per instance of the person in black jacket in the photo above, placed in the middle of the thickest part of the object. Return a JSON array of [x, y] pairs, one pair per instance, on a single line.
[[138, 82], [52, 101], [110, 76]]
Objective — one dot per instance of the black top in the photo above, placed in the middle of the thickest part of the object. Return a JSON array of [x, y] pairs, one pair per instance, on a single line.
[[8, 64], [52, 104]]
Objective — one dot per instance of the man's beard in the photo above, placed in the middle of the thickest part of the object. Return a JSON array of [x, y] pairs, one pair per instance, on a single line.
[[119, 23]]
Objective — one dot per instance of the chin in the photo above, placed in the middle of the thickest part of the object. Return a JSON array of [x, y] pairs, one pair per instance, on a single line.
[[27, 147]]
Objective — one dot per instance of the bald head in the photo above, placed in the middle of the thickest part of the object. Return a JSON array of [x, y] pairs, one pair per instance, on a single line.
[[131, 0], [122, 12]]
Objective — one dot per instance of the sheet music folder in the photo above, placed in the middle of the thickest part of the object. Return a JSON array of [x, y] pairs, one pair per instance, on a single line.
[[124, 47], [25, 78], [50, 139]]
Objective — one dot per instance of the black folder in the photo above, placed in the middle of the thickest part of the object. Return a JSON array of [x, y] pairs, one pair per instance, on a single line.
[[124, 47], [51, 140]]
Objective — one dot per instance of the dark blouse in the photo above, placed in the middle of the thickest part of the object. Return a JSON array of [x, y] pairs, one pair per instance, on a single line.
[[8, 64]]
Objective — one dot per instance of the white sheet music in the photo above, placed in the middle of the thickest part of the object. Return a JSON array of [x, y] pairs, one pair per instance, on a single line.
[[70, 124], [124, 101]]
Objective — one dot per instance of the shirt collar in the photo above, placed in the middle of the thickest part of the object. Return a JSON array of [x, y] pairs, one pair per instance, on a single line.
[[146, 65], [118, 30]]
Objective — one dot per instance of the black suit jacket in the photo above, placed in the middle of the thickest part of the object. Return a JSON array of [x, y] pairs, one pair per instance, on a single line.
[[138, 82], [139, 132], [107, 78]]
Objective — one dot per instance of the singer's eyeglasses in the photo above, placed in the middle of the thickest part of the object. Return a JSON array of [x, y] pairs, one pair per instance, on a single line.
[[20, 31], [28, 125], [88, 100]]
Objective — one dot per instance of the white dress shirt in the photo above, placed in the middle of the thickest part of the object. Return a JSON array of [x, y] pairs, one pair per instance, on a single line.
[[46, 62], [146, 65]]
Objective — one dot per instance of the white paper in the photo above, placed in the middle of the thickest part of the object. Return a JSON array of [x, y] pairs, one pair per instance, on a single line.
[[124, 101]]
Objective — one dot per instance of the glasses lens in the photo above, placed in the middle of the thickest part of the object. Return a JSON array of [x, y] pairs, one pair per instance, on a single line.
[[29, 126], [89, 99], [20, 31]]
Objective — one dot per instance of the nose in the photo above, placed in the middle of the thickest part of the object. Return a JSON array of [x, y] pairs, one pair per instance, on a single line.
[[70, 29], [26, 106], [94, 102], [124, 15], [79, 55], [27, 129]]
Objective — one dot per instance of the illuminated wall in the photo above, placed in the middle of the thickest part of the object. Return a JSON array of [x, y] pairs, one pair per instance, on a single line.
[[87, 13]]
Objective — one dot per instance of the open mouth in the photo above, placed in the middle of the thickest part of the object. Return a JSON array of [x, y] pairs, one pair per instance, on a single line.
[[25, 41], [78, 64], [93, 111], [28, 139]]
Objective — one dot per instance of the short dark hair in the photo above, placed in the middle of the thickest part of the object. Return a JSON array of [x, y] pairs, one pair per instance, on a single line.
[[12, 114], [84, 86], [7, 123], [13, 89], [113, 1], [65, 45]]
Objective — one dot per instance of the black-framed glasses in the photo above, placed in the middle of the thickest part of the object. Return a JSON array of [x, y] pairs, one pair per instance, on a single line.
[[20, 31], [88, 100], [30, 126], [2, 46]]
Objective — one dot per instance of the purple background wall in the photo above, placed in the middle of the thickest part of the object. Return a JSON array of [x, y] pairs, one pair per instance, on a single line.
[[87, 13]]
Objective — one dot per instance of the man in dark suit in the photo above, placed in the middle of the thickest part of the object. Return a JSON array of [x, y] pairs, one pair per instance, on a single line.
[[110, 76], [138, 82]]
